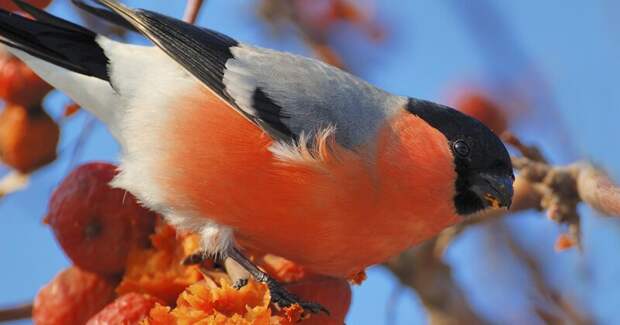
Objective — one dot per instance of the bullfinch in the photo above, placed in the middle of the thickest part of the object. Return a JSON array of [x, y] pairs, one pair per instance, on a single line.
[[251, 147]]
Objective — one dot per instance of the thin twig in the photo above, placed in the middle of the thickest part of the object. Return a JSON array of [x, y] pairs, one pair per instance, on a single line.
[[555, 306], [192, 9], [420, 269], [276, 11], [13, 182], [16, 313], [564, 187], [597, 189]]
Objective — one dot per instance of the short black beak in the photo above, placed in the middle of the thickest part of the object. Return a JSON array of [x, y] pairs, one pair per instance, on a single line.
[[494, 190]]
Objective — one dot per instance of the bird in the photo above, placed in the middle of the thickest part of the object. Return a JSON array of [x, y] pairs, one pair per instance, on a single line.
[[256, 148]]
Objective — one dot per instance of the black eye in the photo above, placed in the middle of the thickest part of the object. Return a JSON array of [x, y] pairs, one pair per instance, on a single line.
[[461, 148]]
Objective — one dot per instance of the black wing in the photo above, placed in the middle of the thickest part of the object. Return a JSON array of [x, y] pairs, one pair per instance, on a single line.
[[203, 53]]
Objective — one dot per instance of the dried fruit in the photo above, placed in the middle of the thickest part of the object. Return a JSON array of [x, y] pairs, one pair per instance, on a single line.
[[208, 303], [192, 294], [484, 109], [358, 278], [72, 297], [129, 309], [564, 242], [19, 84], [9, 5], [334, 294], [213, 303], [71, 109], [95, 224], [158, 270], [28, 137]]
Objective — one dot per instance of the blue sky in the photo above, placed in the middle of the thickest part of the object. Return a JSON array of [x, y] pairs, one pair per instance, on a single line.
[[569, 48]]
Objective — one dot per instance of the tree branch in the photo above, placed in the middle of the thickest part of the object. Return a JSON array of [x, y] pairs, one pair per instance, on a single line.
[[192, 10], [420, 269], [597, 189], [556, 309], [15, 313], [578, 182], [274, 11]]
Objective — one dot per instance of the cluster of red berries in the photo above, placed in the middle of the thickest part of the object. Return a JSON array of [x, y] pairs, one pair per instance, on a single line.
[[97, 226], [28, 136]]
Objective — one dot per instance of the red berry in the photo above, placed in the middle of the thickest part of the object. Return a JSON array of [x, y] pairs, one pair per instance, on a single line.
[[72, 297], [19, 84], [483, 109], [564, 242], [95, 224], [9, 5], [28, 137], [128, 309], [334, 294]]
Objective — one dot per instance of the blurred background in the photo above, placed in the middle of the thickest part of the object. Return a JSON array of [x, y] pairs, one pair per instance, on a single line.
[[550, 68]]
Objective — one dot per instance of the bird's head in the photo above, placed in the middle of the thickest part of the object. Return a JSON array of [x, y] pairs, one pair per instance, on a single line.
[[484, 174]]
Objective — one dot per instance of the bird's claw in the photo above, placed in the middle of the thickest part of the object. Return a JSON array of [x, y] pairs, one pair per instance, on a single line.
[[282, 298], [240, 283]]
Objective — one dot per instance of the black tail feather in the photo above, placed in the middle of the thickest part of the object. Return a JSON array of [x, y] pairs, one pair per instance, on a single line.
[[107, 15], [55, 40]]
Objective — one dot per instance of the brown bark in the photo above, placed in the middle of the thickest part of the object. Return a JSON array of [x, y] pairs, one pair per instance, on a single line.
[[15, 313], [192, 10]]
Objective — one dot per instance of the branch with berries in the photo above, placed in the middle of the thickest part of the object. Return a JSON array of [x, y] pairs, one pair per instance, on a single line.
[[142, 267]]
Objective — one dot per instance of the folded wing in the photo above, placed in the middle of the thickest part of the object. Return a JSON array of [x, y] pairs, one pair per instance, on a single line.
[[284, 94]]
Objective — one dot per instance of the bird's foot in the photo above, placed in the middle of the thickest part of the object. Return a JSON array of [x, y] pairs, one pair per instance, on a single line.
[[283, 298], [280, 296]]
